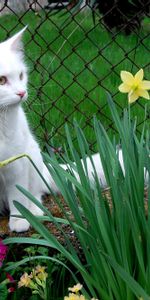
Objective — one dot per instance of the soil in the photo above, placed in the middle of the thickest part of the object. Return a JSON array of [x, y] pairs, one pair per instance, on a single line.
[[50, 203]]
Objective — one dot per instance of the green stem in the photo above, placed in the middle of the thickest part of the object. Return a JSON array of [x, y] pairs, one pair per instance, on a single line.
[[12, 159]]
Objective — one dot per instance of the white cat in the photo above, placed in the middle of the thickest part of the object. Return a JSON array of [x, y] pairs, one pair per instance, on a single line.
[[16, 137]]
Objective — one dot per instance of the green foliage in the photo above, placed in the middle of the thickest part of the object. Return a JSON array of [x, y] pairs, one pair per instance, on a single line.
[[113, 234], [3, 291]]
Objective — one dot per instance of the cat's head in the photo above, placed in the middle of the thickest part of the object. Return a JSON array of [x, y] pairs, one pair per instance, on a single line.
[[13, 71]]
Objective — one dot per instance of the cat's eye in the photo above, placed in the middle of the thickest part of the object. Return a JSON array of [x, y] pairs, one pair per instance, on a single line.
[[3, 80], [21, 76]]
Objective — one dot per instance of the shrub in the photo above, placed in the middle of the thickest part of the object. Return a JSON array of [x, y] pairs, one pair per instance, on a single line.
[[123, 15]]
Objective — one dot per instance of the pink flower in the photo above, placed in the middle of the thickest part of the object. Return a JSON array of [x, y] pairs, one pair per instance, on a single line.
[[3, 251], [11, 279], [11, 290]]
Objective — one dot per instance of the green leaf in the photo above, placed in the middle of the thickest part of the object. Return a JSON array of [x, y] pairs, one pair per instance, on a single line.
[[134, 286], [3, 291]]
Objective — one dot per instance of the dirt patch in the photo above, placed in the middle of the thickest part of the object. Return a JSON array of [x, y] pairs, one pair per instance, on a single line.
[[50, 203]]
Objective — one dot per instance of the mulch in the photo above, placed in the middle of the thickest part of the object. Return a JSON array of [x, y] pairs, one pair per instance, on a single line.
[[50, 203]]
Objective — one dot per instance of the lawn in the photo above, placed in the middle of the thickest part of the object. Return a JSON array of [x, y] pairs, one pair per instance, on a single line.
[[71, 67]]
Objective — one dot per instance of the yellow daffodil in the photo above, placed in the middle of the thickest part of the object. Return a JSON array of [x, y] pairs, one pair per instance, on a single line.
[[134, 85], [25, 280], [76, 288], [73, 296]]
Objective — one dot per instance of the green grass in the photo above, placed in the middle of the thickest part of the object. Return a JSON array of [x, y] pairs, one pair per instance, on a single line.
[[78, 84]]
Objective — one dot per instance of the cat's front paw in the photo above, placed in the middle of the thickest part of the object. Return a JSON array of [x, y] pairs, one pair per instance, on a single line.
[[18, 225]]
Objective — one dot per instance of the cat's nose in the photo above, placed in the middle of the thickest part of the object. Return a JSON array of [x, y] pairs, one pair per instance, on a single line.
[[21, 94]]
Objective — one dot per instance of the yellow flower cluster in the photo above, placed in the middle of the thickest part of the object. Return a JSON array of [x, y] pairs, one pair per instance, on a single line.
[[75, 295], [36, 277], [134, 85]]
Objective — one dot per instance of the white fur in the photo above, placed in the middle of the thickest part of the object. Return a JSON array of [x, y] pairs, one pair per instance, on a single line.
[[15, 135]]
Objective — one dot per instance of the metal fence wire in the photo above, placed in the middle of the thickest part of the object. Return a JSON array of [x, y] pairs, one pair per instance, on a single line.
[[75, 51]]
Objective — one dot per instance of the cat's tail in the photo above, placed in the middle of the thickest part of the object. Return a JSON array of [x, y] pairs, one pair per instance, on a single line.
[[96, 161], [90, 173]]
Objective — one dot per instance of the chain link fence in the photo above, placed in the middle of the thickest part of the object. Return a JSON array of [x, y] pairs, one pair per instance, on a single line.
[[75, 55]]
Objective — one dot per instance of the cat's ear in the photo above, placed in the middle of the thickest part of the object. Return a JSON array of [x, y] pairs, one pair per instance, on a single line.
[[15, 42]]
